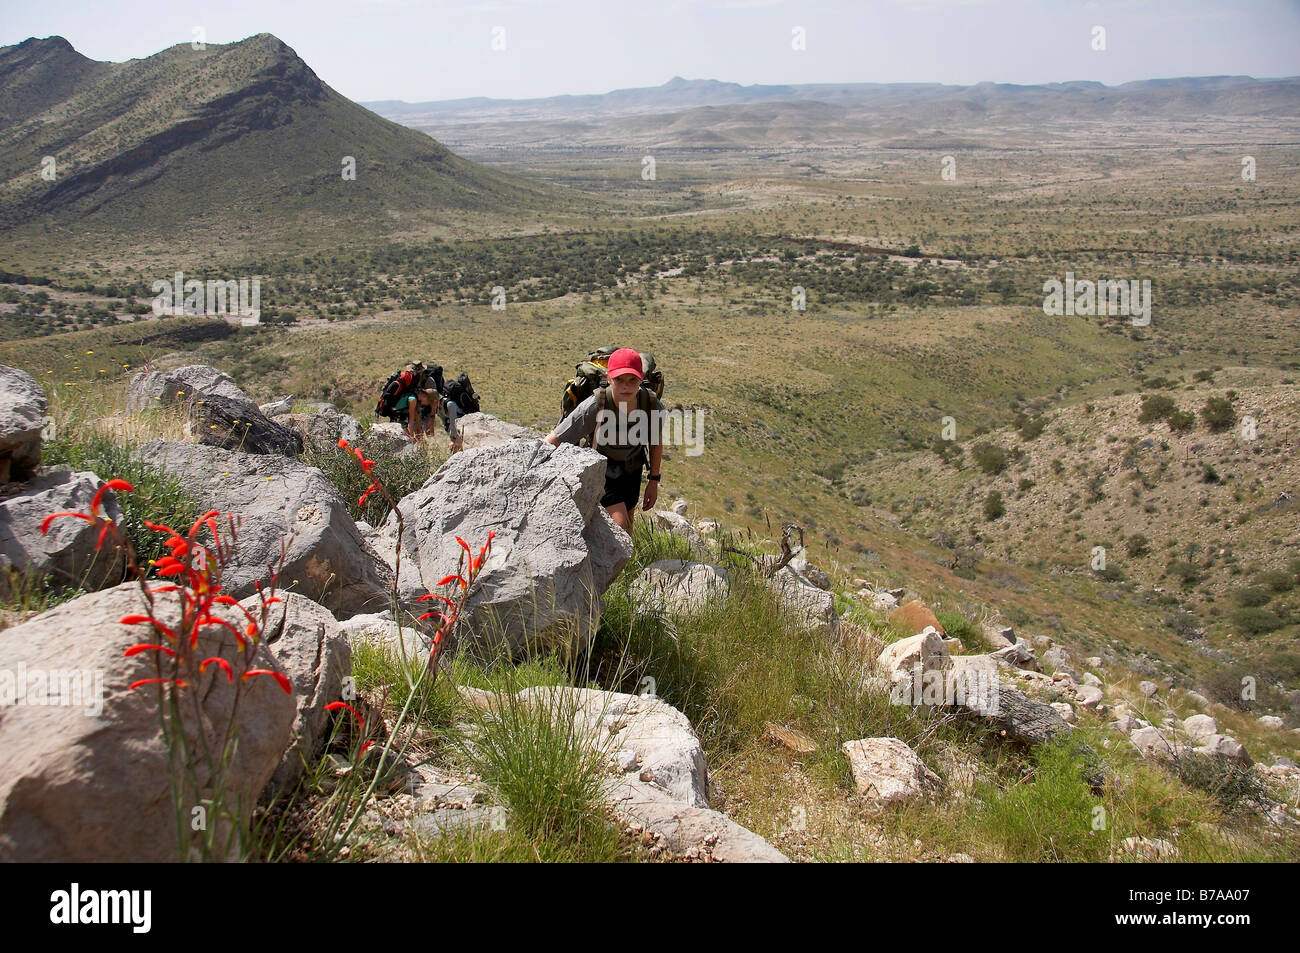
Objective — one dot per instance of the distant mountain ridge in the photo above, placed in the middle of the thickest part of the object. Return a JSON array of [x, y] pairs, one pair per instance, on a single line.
[[1232, 94]]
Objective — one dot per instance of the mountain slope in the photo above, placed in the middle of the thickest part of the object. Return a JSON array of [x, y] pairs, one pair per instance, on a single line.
[[244, 134]]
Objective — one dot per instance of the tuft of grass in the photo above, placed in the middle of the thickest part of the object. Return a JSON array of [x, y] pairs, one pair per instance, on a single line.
[[963, 629], [550, 775]]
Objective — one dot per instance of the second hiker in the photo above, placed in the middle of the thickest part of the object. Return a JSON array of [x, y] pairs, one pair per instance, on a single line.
[[623, 421]]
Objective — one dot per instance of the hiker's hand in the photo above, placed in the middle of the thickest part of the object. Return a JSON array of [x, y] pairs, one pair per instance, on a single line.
[[456, 443], [651, 494]]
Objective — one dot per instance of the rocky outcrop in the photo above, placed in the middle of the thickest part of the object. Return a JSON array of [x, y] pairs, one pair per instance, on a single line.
[[323, 429], [84, 773], [542, 581], [809, 606], [887, 771], [65, 556], [316, 655], [218, 413], [149, 389], [666, 521], [680, 587], [22, 413], [219, 421], [484, 430], [277, 498]]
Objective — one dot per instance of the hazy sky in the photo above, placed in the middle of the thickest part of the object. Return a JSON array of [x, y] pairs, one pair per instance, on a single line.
[[442, 49]]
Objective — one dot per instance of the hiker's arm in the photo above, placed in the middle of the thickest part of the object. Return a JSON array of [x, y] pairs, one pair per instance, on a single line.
[[652, 486], [453, 412], [411, 415], [580, 423]]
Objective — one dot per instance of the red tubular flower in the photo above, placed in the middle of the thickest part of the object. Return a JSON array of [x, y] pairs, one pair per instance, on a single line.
[[225, 667], [203, 519], [452, 578], [163, 528], [284, 682], [115, 485], [211, 620], [343, 444], [374, 486], [465, 546], [45, 523], [145, 646], [335, 706], [143, 620], [179, 682], [434, 595]]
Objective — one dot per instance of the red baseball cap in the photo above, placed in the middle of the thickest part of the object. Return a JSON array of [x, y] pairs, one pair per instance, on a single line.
[[624, 361]]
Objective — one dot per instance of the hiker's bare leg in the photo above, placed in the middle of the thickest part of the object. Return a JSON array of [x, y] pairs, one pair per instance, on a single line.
[[619, 514]]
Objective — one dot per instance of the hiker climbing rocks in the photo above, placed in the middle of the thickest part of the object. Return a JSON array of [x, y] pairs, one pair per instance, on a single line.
[[623, 421], [417, 395], [419, 408]]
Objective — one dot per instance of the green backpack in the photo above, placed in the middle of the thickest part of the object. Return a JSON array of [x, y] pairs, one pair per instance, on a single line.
[[590, 376]]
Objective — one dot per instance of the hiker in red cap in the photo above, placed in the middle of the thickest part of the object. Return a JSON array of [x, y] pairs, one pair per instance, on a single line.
[[623, 421]]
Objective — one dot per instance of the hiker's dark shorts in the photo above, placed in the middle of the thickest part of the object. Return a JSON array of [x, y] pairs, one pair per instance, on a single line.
[[625, 489]]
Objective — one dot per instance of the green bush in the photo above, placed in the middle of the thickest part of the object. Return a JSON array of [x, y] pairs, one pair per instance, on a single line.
[[1181, 421], [1253, 596], [1137, 546], [157, 497], [1185, 572], [1253, 620], [1156, 407], [1236, 787], [1032, 427], [994, 508], [1218, 414], [1277, 581], [990, 458]]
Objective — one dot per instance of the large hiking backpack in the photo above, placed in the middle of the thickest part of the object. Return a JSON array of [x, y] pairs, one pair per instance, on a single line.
[[462, 392], [590, 375], [413, 377]]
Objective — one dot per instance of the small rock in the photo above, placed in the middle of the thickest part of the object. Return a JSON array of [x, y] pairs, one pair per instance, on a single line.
[[1148, 850], [1065, 711], [1200, 727]]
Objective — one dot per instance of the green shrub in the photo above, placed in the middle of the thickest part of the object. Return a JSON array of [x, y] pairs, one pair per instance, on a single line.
[[961, 628], [1032, 427], [994, 508], [157, 497], [1156, 407], [1253, 620], [1218, 414], [990, 458], [1253, 596], [1277, 581], [1186, 573], [1181, 421], [1236, 787], [1137, 546]]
